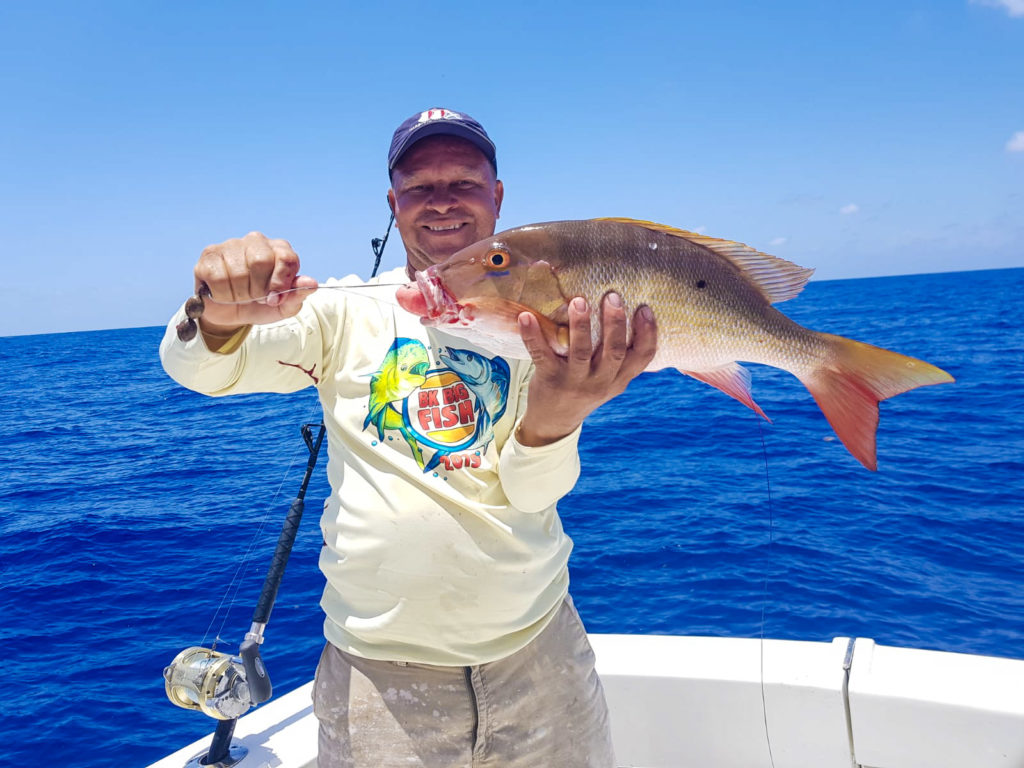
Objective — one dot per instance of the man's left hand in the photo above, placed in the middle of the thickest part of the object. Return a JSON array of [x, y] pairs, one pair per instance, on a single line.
[[565, 390]]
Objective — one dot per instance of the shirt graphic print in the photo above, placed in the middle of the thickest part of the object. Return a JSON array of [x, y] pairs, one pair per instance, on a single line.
[[445, 414]]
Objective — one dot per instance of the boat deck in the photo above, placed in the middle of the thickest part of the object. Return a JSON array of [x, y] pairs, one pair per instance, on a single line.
[[738, 703]]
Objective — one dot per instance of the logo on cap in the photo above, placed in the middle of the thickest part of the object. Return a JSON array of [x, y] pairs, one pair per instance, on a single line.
[[439, 114]]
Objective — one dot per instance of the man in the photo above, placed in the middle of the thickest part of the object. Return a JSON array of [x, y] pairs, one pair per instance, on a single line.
[[451, 637]]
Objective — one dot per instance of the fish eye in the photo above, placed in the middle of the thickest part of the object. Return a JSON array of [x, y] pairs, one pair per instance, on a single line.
[[497, 259]]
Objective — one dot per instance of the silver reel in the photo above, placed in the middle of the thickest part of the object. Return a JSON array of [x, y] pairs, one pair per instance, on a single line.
[[210, 681]]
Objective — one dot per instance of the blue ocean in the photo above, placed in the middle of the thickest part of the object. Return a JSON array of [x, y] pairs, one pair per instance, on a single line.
[[139, 518]]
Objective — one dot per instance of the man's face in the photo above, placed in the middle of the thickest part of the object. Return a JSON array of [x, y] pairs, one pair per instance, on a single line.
[[444, 196]]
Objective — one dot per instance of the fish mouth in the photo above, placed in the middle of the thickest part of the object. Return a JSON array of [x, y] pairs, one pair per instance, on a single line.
[[441, 305]]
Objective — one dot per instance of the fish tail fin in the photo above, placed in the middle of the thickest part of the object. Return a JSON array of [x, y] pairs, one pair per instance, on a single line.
[[850, 384]]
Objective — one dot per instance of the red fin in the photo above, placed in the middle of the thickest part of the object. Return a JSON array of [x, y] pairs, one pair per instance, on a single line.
[[849, 388], [734, 380]]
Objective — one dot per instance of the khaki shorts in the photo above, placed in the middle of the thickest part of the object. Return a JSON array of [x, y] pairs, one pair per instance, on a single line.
[[542, 707]]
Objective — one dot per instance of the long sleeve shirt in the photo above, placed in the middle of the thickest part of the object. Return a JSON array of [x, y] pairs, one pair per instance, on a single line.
[[442, 542]]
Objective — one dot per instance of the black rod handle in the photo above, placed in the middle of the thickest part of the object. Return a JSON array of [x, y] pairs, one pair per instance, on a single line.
[[288, 532], [281, 554]]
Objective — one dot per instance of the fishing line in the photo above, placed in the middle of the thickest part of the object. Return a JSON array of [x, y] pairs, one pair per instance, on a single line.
[[764, 597], [188, 328], [234, 585], [320, 286]]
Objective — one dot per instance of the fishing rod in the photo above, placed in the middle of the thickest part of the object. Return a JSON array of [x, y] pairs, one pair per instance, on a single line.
[[377, 244], [223, 686]]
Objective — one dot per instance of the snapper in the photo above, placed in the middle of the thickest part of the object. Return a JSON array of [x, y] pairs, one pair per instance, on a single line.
[[712, 300]]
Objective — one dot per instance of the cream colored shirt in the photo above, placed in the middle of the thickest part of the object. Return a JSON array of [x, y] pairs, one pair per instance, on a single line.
[[442, 541]]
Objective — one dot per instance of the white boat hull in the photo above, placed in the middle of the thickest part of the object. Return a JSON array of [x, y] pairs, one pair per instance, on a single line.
[[707, 702]]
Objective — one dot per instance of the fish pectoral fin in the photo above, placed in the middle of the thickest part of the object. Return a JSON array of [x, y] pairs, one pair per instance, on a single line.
[[542, 292], [504, 313], [556, 334], [734, 380]]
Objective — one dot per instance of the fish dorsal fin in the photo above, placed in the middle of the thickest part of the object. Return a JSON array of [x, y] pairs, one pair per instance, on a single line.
[[776, 278]]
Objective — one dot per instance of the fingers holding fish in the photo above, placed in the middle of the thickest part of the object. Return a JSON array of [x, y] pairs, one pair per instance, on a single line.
[[619, 359], [565, 390], [537, 345], [581, 343], [613, 330], [642, 346], [552, 408]]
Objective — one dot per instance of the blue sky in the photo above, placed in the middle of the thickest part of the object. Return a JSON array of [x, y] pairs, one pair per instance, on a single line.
[[867, 138]]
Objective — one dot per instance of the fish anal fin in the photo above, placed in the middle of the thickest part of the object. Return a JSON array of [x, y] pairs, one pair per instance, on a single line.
[[734, 380], [777, 279]]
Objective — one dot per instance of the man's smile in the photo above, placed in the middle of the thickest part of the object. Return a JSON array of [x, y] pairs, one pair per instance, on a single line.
[[444, 227]]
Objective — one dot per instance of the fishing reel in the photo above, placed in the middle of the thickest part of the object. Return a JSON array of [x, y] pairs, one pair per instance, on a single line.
[[219, 685], [212, 682]]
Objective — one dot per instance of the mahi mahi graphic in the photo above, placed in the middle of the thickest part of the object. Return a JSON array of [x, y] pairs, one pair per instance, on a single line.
[[401, 373], [449, 409]]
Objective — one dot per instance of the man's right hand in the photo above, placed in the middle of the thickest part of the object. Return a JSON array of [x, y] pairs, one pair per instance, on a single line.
[[248, 269]]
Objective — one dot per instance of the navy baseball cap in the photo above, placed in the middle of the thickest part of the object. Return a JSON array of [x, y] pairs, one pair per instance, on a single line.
[[440, 122]]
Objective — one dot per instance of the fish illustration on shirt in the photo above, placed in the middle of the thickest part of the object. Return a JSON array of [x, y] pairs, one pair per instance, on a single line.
[[487, 378], [449, 409], [402, 372]]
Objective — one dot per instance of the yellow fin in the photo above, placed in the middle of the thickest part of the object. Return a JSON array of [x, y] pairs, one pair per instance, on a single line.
[[776, 278]]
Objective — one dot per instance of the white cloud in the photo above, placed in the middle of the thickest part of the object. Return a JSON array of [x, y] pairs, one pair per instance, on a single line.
[[1016, 142], [849, 209], [778, 241], [1013, 7]]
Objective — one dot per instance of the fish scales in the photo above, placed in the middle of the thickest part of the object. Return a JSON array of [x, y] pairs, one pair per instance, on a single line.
[[709, 314]]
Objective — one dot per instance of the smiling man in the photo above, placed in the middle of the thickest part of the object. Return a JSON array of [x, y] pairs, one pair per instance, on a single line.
[[443, 197], [451, 638]]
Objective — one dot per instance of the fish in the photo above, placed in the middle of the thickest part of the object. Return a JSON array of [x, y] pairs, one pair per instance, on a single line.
[[712, 300]]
